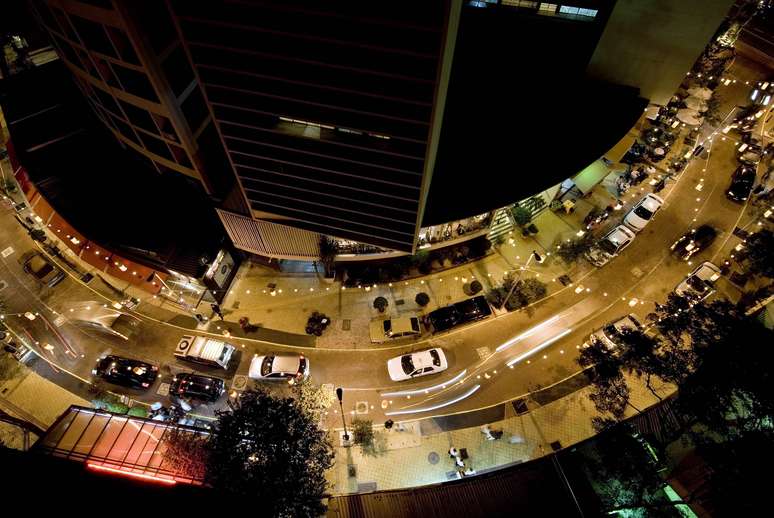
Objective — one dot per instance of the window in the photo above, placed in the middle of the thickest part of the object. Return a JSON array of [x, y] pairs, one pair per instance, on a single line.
[[156, 146], [195, 109], [93, 36], [547, 8], [566, 9], [178, 71], [135, 83], [123, 45], [521, 3], [139, 117], [588, 12]]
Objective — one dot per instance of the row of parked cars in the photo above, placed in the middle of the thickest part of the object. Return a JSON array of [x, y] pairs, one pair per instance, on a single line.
[[615, 241]]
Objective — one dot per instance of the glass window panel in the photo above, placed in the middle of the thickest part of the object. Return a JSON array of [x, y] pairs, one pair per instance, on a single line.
[[74, 431], [93, 35], [124, 441]]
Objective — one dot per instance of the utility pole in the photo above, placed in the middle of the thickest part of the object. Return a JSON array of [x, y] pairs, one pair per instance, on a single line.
[[340, 394]]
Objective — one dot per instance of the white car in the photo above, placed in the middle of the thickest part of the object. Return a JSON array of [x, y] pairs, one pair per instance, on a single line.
[[383, 330], [610, 246], [700, 283], [417, 364], [643, 212], [610, 333], [279, 367]]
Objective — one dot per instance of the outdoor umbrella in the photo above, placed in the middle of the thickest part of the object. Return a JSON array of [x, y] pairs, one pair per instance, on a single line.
[[689, 117], [702, 92], [695, 103]]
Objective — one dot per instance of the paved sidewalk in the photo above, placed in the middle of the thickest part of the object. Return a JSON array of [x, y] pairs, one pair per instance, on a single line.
[[410, 458]]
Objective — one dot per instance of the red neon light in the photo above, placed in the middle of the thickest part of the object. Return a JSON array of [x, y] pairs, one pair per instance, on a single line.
[[125, 473]]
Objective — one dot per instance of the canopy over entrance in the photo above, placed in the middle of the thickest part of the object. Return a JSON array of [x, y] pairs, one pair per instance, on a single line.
[[591, 176]]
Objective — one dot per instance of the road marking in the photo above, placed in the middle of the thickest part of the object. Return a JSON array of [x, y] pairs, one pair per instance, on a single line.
[[59, 321], [8, 251], [483, 352]]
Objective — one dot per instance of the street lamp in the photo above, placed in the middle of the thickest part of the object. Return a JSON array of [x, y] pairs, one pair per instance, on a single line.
[[534, 255], [339, 394]]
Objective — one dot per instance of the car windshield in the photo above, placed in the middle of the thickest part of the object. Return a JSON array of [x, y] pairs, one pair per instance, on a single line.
[[697, 284], [266, 365], [608, 246], [610, 330], [436, 357], [407, 364], [642, 212], [43, 270]]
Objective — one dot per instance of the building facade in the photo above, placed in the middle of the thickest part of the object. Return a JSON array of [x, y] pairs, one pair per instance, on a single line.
[[365, 121]]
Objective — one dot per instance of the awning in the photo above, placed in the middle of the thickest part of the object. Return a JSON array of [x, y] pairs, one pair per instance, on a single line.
[[591, 176]]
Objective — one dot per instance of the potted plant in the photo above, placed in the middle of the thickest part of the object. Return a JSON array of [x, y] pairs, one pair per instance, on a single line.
[[422, 299], [381, 304]]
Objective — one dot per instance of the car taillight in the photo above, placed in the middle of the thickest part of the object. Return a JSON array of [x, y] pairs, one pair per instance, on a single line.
[[154, 368], [146, 385]]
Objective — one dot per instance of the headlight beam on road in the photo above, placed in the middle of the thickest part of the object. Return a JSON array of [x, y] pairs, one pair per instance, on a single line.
[[526, 333], [436, 407], [538, 348], [445, 384]]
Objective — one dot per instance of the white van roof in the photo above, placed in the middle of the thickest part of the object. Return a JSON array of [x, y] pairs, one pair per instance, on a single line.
[[199, 347]]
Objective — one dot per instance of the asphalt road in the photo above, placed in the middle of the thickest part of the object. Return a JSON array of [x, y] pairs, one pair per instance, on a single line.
[[541, 345]]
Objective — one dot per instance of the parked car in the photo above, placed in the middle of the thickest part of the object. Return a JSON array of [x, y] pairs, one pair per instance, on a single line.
[[465, 311], [279, 367], [699, 284], [610, 246], [417, 364], [126, 371], [643, 212], [383, 330], [693, 241], [43, 270], [115, 323], [204, 350], [610, 334], [197, 386], [741, 183], [750, 154]]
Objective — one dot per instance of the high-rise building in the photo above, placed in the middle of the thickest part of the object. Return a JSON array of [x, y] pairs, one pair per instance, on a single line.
[[385, 125]]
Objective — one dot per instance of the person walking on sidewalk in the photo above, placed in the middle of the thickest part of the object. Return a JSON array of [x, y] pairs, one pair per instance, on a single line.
[[216, 310]]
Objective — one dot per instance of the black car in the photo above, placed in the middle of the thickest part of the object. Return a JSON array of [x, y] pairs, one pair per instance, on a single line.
[[126, 372], [444, 318], [474, 308], [197, 386], [458, 313], [741, 183], [694, 241]]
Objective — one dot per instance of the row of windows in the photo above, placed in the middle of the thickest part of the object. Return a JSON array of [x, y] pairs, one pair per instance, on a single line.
[[542, 7]]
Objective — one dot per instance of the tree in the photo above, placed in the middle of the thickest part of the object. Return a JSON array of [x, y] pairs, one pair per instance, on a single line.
[[521, 216], [381, 304], [759, 253], [313, 399], [186, 452], [610, 394], [363, 433], [272, 450], [327, 249], [573, 250], [422, 299], [9, 367]]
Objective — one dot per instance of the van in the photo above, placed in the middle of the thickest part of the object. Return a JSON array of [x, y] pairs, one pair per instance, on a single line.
[[207, 351]]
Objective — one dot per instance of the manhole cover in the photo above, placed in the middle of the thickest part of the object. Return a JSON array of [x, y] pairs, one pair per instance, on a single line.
[[239, 383], [361, 407], [163, 389], [346, 324], [433, 457]]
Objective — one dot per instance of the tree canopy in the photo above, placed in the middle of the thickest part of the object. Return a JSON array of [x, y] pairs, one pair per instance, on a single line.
[[272, 450]]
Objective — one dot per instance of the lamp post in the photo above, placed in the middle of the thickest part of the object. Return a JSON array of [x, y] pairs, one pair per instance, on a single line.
[[534, 255], [339, 394]]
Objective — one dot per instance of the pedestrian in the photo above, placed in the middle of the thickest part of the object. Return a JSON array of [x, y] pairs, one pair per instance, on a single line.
[[453, 453], [216, 310]]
